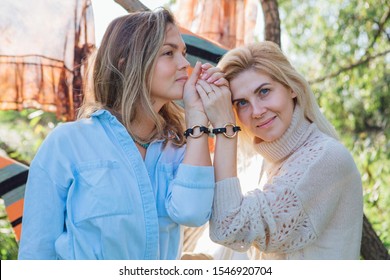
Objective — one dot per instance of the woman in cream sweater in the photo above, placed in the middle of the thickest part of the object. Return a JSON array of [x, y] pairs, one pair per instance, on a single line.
[[310, 205]]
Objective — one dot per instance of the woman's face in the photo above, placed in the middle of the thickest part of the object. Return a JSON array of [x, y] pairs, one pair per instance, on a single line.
[[264, 106], [170, 72]]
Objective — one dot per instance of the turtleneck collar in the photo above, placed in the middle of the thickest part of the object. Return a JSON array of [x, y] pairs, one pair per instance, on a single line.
[[297, 133]]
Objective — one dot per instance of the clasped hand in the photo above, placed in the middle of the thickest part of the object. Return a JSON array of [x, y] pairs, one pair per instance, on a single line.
[[207, 92]]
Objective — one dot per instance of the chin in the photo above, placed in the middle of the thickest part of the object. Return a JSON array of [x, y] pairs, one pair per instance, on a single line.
[[177, 97], [270, 135], [267, 138]]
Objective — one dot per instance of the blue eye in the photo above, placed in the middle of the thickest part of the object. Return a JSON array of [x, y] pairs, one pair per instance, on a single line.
[[240, 103], [264, 91]]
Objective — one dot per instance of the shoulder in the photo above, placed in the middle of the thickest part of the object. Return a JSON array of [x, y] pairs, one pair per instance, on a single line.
[[322, 164], [60, 131], [63, 139], [323, 154], [332, 155], [334, 150], [64, 131]]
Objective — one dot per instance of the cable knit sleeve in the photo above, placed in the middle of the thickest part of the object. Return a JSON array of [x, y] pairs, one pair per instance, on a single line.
[[272, 221]]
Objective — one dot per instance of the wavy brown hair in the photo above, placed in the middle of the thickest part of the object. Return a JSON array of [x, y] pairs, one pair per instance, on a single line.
[[121, 74]]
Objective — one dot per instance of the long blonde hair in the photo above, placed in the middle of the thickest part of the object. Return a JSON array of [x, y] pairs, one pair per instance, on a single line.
[[121, 75], [268, 58]]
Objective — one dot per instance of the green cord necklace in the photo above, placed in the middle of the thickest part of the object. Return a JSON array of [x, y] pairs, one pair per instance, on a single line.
[[143, 145]]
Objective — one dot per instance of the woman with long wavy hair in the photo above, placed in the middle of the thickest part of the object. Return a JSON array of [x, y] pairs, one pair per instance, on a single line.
[[119, 182]]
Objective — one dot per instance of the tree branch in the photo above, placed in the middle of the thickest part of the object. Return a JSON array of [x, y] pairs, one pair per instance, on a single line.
[[381, 24], [132, 5], [368, 57], [349, 67]]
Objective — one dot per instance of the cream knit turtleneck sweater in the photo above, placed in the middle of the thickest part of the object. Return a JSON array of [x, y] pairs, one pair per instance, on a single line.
[[310, 208]]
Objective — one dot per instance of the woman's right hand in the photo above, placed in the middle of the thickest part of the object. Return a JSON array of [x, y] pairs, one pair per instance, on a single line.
[[216, 100], [195, 113]]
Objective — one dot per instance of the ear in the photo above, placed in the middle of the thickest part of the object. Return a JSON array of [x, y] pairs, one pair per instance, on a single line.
[[293, 94]]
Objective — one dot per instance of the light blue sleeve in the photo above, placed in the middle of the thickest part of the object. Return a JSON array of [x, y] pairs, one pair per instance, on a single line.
[[43, 215], [190, 196]]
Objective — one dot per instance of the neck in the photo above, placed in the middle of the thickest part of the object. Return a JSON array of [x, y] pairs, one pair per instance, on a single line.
[[144, 145], [141, 130], [142, 127]]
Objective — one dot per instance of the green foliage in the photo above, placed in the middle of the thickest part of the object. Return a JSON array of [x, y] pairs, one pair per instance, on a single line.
[[343, 48], [21, 134], [8, 245]]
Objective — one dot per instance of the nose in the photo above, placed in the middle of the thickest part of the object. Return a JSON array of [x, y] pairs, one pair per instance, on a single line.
[[183, 63], [258, 110]]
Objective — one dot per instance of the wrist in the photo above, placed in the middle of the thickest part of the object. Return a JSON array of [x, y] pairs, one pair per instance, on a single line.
[[196, 131], [220, 119], [229, 130], [196, 118], [223, 123]]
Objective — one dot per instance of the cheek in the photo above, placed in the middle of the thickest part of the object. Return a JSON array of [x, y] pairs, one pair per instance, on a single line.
[[159, 73], [163, 71], [156, 74], [244, 117], [290, 109]]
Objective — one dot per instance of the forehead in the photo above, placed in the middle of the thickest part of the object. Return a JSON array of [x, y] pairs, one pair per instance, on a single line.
[[173, 35], [248, 81]]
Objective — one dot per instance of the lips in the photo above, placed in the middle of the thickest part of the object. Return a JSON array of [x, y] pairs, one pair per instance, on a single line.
[[266, 123], [183, 79]]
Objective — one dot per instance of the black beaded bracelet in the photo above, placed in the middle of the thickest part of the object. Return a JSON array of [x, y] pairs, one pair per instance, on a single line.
[[190, 131], [223, 130]]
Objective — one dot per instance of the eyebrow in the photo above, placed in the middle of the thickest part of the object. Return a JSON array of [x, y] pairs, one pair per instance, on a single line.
[[175, 46], [260, 86], [236, 100], [256, 90]]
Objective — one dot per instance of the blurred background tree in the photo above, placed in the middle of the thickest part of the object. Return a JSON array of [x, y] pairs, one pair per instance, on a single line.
[[343, 48], [21, 134]]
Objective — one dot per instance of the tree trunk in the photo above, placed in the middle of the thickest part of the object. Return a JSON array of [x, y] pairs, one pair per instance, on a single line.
[[372, 247], [271, 21]]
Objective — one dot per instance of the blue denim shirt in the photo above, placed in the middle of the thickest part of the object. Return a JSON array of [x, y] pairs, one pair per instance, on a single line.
[[90, 195]]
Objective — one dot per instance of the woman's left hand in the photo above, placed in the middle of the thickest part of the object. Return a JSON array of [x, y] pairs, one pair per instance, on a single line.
[[216, 102], [213, 75]]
